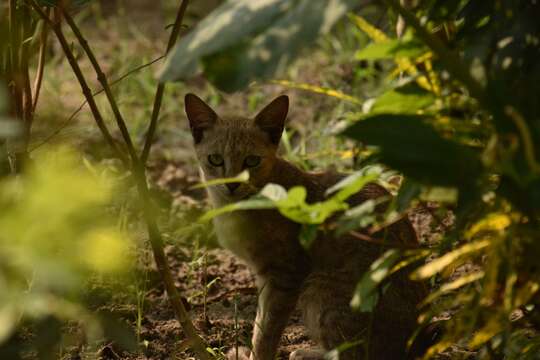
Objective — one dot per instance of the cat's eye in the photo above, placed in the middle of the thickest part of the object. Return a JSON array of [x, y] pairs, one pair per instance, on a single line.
[[215, 160], [252, 161]]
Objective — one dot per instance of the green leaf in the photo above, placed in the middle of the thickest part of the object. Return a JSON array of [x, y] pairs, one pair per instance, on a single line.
[[408, 99], [366, 295], [392, 49], [292, 204], [251, 204], [408, 191], [354, 182], [274, 192], [453, 285], [244, 40], [242, 177], [308, 234], [413, 147], [360, 216], [442, 262]]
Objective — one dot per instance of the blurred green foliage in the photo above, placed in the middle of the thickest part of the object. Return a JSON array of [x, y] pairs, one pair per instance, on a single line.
[[56, 235], [244, 40]]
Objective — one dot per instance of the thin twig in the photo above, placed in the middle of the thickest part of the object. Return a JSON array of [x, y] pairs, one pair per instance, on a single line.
[[14, 59], [94, 94], [25, 72], [372, 240], [104, 83], [161, 86], [41, 60], [57, 28]]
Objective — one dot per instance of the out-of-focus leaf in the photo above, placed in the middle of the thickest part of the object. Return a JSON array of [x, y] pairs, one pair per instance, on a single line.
[[408, 99], [375, 34], [308, 234], [366, 294], [356, 180], [391, 49], [319, 90], [251, 204], [408, 191], [442, 262], [454, 285], [78, 232], [274, 192], [494, 326], [359, 216], [244, 40], [9, 316], [411, 146], [242, 177], [440, 194], [492, 222]]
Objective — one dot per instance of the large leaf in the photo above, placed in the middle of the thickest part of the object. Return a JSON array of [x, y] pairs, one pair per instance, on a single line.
[[410, 145], [408, 99], [390, 49], [244, 40]]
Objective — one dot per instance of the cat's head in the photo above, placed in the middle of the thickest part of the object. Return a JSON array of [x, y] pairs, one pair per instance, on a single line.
[[227, 145]]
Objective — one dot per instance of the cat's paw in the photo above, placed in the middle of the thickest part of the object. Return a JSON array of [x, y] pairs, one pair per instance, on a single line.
[[243, 353], [302, 354]]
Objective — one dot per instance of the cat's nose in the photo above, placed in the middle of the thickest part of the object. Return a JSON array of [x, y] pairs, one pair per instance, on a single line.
[[232, 187]]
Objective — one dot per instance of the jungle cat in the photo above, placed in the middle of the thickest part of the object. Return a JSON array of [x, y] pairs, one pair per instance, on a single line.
[[321, 279]]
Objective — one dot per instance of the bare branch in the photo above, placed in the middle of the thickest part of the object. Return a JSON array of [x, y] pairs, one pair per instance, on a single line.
[[57, 28], [81, 106], [161, 87]]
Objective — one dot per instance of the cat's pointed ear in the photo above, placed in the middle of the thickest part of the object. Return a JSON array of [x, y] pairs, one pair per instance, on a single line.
[[271, 119], [200, 116]]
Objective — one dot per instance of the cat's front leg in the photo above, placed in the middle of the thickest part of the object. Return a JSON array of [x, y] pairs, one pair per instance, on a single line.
[[274, 308]]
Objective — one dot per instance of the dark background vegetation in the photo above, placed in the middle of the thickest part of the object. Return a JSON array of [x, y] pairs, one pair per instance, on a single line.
[[102, 251]]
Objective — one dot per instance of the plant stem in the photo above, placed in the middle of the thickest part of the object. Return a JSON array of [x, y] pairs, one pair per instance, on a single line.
[[104, 83], [41, 60], [57, 28], [25, 73], [14, 81], [161, 86]]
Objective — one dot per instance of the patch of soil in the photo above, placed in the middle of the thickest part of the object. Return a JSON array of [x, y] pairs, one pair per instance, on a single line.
[[223, 316]]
